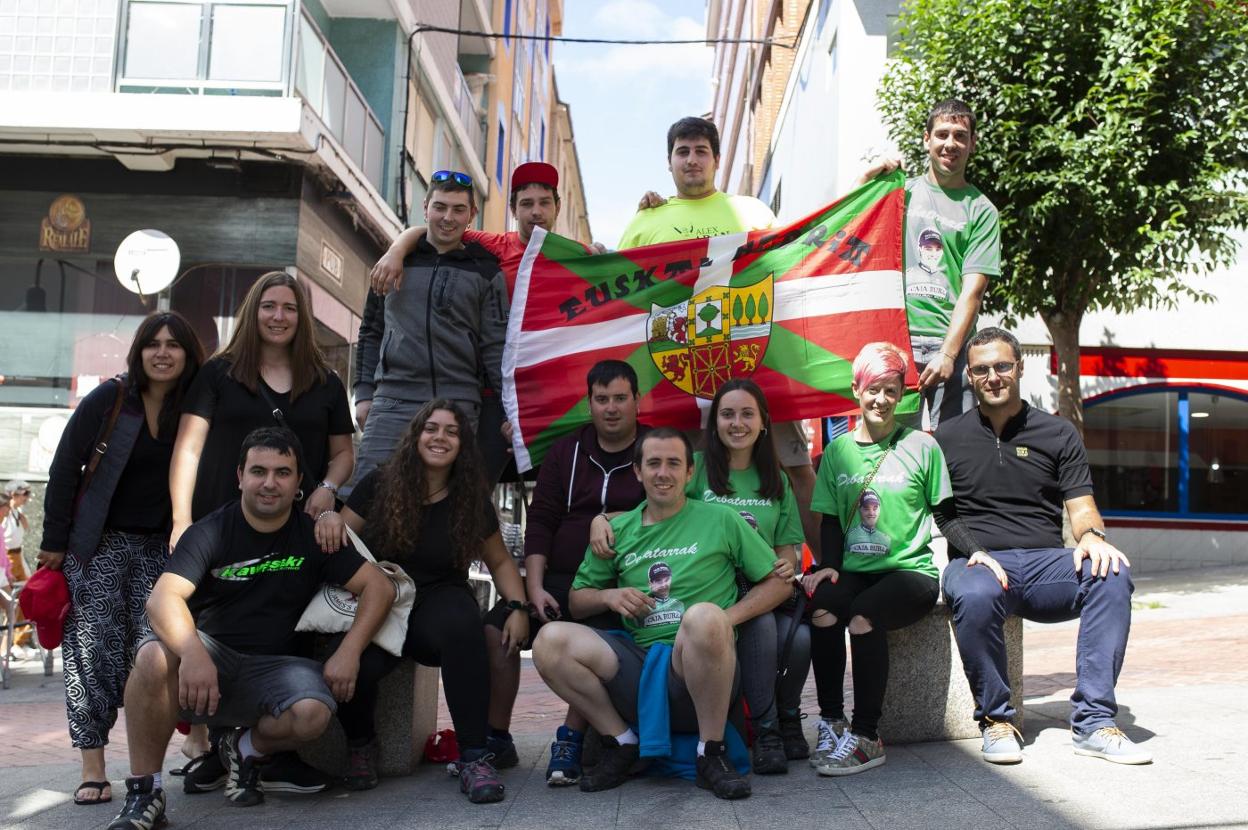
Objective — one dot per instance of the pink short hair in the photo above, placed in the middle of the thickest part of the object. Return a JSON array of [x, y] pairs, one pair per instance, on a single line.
[[878, 361]]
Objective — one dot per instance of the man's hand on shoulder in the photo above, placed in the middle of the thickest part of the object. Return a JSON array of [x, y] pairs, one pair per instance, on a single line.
[[1103, 556], [387, 273], [651, 200], [628, 602]]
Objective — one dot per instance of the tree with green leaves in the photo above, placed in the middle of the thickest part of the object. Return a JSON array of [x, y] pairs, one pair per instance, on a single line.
[[1113, 138]]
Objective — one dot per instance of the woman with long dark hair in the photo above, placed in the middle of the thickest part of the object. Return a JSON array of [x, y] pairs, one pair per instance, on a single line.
[[879, 488], [270, 373], [739, 468], [428, 510], [111, 536]]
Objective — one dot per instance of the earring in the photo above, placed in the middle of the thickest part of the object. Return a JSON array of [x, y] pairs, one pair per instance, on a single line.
[[299, 494], [763, 431]]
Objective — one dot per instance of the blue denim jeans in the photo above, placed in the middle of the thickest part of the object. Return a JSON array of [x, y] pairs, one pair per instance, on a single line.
[[1044, 587]]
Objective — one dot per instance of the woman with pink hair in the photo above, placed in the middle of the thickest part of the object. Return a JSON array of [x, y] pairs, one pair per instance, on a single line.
[[878, 489]]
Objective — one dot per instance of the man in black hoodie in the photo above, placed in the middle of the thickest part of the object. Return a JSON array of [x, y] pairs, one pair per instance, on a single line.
[[583, 475], [441, 337]]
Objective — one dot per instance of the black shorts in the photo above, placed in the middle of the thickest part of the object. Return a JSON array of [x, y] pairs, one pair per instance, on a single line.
[[623, 688], [559, 586], [255, 685]]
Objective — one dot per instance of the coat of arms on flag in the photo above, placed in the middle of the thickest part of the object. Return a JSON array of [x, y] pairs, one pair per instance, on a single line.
[[719, 333], [788, 308]]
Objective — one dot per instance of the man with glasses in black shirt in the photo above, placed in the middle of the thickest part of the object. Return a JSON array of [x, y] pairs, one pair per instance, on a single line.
[[1013, 469]]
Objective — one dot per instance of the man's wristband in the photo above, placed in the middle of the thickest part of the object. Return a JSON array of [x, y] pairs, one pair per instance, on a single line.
[[1095, 531], [518, 605]]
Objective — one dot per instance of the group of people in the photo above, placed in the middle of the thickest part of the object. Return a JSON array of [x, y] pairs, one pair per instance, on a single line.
[[196, 507]]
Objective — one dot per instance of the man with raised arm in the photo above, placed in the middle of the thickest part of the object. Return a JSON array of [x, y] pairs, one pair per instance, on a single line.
[[689, 604], [223, 619]]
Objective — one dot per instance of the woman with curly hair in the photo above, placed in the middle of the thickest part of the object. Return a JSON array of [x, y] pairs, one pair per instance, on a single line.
[[428, 511], [106, 525]]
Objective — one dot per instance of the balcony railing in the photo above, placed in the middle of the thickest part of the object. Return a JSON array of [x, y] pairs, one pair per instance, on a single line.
[[268, 49], [466, 109]]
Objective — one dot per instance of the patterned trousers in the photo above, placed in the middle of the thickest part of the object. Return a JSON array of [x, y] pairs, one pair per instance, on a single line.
[[106, 622]]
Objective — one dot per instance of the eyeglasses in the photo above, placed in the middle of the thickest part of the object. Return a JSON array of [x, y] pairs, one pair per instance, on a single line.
[[1005, 367], [461, 179]]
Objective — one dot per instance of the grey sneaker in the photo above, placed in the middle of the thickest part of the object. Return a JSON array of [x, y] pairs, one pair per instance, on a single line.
[[828, 734], [1110, 743], [1003, 744], [853, 754]]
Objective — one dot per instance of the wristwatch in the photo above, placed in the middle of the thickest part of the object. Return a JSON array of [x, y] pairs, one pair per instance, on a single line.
[[1096, 531], [517, 605], [330, 486]]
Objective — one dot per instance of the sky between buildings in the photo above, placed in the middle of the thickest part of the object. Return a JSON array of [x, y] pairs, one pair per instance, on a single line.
[[623, 98]]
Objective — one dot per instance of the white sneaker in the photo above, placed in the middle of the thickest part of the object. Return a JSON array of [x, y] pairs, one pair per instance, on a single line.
[[1112, 744], [828, 736], [1002, 743]]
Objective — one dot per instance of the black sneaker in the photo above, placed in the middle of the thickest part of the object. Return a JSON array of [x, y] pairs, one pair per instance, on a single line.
[[285, 772], [204, 773], [768, 755], [615, 763], [717, 774], [504, 752], [144, 807], [795, 746], [361, 771], [243, 789]]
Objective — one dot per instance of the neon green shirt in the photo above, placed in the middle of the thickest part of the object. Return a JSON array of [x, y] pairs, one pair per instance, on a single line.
[[714, 215], [949, 234], [888, 528], [685, 559], [776, 521]]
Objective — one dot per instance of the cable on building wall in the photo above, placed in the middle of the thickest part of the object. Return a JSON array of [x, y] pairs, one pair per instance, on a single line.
[[427, 27]]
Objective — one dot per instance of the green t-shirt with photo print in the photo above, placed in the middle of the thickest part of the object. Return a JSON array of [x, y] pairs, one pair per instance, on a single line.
[[888, 526], [685, 559], [777, 521], [949, 233]]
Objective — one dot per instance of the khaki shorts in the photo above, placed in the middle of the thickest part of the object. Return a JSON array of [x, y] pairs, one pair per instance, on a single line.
[[789, 439]]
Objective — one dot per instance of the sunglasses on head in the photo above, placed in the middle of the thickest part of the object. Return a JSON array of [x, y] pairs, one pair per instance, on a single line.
[[461, 179]]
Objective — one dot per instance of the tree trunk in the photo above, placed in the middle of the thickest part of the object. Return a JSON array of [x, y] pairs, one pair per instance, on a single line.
[[1064, 329]]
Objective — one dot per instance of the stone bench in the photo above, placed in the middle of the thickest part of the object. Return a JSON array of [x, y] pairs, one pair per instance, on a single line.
[[407, 714], [928, 697]]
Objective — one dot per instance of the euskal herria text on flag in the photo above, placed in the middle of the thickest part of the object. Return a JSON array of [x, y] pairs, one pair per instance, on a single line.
[[788, 308]]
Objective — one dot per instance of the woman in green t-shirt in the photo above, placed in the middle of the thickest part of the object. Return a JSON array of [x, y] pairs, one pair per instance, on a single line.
[[739, 469], [878, 489]]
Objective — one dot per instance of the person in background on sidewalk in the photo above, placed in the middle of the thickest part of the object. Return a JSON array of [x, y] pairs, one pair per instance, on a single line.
[[112, 539], [1014, 468], [271, 363], [428, 510], [878, 490], [223, 616], [952, 248], [441, 336], [673, 583], [699, 210], [583, 475], [15, 527]]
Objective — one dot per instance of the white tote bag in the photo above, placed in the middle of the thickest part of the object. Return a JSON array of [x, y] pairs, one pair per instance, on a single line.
[[332, 610]]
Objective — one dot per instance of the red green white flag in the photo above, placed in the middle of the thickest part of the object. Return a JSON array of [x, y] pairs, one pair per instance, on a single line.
[[789, 308]]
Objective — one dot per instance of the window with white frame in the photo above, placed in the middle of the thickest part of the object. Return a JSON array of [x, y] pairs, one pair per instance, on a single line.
[[57, 46]]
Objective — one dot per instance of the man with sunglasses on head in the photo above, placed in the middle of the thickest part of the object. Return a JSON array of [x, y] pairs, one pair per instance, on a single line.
[[440, 336], [1013, 469]]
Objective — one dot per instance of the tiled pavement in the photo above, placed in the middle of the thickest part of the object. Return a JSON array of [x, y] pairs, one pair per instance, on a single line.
[[1184, 691]]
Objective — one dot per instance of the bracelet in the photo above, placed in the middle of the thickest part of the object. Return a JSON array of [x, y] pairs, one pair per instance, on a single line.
[[328, 485], [518, 605], [951, 357], [323, 514]]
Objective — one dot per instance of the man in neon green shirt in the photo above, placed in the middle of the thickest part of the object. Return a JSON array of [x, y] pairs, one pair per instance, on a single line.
[[699, 210], [672, 581]]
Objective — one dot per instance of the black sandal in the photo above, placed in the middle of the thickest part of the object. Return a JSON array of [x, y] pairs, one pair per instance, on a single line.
[[98, 786]]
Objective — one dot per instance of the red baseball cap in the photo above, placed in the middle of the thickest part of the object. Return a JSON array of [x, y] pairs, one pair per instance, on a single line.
[[534, 172], [45, 602]]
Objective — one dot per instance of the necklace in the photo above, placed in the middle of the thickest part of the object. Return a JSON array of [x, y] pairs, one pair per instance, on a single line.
[[437, 492]]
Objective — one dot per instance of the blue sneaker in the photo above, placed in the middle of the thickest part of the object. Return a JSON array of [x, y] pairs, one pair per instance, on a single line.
[[565, 758]]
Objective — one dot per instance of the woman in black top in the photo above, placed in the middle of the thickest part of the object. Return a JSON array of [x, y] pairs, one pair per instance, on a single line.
[[428, 510], [271, 362], [111, 539]]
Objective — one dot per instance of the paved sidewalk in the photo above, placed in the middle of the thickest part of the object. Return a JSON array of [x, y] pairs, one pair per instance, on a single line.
[[1184, 694]]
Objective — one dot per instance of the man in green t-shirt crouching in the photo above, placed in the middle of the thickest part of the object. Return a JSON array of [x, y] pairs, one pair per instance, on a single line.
[[672, 581]]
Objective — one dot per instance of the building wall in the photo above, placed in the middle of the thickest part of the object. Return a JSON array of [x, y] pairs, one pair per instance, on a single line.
[[573, 214]]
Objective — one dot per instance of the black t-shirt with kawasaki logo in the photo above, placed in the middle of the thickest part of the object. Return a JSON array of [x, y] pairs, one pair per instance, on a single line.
[[252, 587]]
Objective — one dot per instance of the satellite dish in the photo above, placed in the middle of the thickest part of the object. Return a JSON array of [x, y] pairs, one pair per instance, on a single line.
[[147, 261]]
